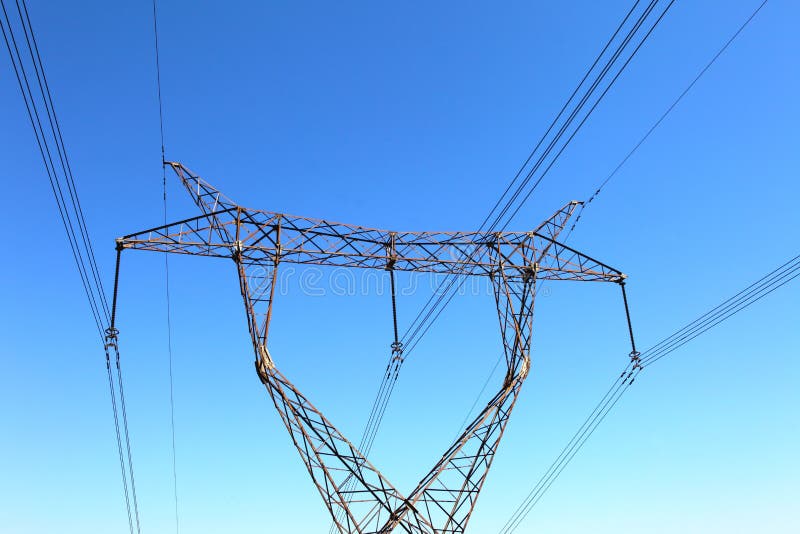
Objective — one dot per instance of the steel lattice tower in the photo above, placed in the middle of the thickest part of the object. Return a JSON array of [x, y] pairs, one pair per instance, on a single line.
[[359, 498]]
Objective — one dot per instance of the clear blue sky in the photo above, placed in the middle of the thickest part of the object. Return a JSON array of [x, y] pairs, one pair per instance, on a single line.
[[409, 116]]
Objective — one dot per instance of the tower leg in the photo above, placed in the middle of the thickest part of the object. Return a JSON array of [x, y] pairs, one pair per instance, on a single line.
[[447, 495]]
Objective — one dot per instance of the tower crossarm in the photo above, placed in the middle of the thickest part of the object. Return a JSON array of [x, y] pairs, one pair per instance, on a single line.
[[259, 236]]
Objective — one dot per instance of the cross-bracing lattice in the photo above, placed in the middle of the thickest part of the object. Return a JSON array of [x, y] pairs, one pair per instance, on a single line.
[[359, 498]]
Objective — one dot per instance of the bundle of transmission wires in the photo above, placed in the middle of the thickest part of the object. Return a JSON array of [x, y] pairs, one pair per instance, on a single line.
[[26, 62], [748, 296]]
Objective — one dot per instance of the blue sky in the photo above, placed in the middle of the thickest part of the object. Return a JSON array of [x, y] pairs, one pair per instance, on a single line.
[[410, 116]]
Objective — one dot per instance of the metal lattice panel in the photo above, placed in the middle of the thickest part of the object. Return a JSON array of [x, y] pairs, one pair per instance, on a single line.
[[359, 498]]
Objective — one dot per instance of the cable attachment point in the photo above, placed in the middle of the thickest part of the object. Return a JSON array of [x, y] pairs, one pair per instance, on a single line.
[[397, 350], [397, 359], [636, 367], [111, 343], [397, 356], [636, 360], [111, 337]]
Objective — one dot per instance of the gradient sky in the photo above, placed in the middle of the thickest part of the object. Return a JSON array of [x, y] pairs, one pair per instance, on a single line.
[[406, 116]]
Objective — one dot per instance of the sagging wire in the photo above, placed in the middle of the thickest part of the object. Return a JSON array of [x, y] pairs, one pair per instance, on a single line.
[[71, 213]]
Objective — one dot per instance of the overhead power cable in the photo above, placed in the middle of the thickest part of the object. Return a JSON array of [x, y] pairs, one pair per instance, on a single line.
[[630, 35], [449, 295], [550, 154], [166, 270], [577, 109], [748, 296], [39, 105], [664, 115], [60, 180], [607, 402], [754, 292], [628, 156], [751, 294]]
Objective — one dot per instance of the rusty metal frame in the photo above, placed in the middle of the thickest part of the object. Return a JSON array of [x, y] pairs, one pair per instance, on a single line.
[[359, 498]]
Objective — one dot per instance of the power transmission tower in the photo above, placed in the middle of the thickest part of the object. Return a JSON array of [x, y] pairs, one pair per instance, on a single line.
[[359, 498]]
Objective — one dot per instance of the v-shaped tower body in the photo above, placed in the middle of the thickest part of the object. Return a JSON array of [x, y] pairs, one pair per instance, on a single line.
[[360, 499]]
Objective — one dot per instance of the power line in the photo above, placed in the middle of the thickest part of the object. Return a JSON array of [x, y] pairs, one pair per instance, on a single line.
[[560, 114], [79, 255], [435, 310], [498, 224], [666, 113], [759, 289], [70, 211], [447, 290], [743, 299], [627, 157], [444, 294], [607, 402], [753, 293], [119, 441], [432, 313], [127, 439], [166, 270], [56, 128]]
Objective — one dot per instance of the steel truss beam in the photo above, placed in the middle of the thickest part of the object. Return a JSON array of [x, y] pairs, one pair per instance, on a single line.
[[256, 236], [359, 498]]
